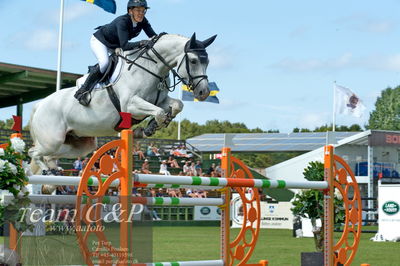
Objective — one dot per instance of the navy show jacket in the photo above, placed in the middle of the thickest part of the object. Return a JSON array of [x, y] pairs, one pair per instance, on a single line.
[[117, 33]]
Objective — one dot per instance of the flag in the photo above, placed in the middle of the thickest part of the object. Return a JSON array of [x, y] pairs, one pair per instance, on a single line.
[[212, 98], [347, 102], [107, 5]]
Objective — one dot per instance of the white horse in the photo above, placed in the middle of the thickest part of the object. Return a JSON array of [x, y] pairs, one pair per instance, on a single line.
[[62, 128]]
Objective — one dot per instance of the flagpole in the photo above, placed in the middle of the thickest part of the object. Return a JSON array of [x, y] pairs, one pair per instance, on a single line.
[[60, 34], [334, 105]]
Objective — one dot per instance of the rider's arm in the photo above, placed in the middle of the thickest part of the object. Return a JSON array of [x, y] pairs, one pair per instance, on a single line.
[[148, 29]]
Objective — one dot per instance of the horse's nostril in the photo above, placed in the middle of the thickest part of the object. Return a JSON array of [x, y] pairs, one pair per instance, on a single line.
[[201, 92]]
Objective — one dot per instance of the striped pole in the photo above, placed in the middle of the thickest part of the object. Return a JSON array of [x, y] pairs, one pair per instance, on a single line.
[[229, 182], [66, 180], [93, 181], [143, 185], [152, 201]]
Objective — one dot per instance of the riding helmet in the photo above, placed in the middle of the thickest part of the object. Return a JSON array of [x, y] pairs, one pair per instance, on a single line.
[[137, 3]]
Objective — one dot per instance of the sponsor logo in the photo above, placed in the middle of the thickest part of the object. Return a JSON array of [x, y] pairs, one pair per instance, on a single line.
[[390, 207], [392, 139], [205, 211]]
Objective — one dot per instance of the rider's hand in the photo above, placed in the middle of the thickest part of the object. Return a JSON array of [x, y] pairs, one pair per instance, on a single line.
[[119, 51]]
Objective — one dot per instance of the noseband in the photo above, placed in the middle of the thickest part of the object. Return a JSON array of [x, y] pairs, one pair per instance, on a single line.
[[201, 53], [144, 53]]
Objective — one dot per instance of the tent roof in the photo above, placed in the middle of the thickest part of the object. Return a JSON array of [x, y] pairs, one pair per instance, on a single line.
[[22, 84]]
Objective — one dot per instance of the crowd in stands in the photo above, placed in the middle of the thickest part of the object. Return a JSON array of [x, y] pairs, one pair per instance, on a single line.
[[178, 159]]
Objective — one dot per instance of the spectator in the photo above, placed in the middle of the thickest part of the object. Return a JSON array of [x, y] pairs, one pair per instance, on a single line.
[[84, 163], [164, 168], [186, 168], [138, 152], [78, 165], [218, 170], [198, 168], [146, 167], [174, 193], [192, 169], [210, 171], [152, 150], [181, 151], [172, 162]]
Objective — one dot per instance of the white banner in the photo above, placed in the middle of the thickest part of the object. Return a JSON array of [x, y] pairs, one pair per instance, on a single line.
[[389, 211], [273, 215], [207, 213]]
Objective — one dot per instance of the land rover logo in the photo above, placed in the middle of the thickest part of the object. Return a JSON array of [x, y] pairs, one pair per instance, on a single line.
[[390, 207], [205, 210]]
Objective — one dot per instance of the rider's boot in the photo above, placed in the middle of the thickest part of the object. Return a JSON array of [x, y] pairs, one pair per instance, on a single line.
[[82, 94]]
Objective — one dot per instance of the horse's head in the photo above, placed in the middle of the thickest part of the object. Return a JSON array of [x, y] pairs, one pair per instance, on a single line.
[[193, 66]]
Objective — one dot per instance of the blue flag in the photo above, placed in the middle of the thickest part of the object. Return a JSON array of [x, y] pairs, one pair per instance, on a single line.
[[107, 5], [212, 98]]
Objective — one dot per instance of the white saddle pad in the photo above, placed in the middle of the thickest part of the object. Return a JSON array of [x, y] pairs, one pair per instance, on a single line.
[[114, 77]]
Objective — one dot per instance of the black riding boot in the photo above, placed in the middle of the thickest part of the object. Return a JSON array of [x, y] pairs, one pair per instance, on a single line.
[[82, 94]]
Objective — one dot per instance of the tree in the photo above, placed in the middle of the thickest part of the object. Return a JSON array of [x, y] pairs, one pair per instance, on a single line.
[[6, 124], [309, 203], [386, 115]]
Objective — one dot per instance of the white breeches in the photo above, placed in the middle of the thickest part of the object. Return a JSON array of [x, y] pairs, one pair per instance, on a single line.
[[101, 53]]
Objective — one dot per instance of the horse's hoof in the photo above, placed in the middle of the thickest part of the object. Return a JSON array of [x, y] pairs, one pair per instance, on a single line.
[[138, 133]]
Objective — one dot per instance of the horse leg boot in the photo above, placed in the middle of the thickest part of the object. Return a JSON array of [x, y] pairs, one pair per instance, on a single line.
[[151, 128], [82, 94]]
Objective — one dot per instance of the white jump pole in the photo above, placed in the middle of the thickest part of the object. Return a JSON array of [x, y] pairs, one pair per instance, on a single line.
[[228, 182], [152, 201]]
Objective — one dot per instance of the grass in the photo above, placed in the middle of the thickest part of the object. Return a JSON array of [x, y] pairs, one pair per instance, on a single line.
[[202, 243], [276, 246]]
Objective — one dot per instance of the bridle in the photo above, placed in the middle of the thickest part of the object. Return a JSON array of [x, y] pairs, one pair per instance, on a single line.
[[144, 53]]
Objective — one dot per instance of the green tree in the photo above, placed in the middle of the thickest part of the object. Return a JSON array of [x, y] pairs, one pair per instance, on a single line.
[[386, 115], [6, 124]]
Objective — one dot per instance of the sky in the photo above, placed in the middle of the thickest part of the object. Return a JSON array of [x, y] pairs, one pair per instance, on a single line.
[[275, 62]]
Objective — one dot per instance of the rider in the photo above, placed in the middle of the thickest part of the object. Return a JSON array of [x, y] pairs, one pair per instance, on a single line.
[[115, 35]]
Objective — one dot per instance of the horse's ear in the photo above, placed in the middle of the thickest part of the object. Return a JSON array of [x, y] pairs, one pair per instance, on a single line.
[[209, 40], [193, 43]]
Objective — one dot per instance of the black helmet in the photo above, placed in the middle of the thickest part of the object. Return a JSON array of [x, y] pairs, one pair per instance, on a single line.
[[137, 3]]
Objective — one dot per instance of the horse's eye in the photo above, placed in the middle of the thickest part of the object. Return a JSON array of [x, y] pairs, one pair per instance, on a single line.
[[193, 61]]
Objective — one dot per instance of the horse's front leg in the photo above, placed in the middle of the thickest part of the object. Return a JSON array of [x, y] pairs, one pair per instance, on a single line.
[[172, 107], [139, 107]]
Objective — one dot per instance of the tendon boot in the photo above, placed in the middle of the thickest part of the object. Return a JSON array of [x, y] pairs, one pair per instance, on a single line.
[[82, 95]]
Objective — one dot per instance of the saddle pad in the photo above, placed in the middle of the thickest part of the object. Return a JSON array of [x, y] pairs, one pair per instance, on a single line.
[[114, 77]]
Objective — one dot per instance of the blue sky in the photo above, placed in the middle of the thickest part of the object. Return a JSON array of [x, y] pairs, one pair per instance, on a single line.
[[274, 61]]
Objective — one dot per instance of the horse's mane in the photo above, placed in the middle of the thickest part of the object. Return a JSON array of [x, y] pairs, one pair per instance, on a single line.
[[133, 53]]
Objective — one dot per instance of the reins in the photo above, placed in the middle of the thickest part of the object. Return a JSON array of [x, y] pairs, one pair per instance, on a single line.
[[144, 53]]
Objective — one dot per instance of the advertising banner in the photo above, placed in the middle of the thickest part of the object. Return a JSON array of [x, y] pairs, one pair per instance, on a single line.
[[273, 215], [207, 213], [389, 211]]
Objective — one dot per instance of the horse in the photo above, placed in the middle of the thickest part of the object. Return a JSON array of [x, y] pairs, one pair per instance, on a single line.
[[62, 128]]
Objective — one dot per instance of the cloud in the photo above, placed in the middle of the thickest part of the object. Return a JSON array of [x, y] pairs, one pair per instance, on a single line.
[[376, 62], [71, 12], [312, 120], [364, 23], [312, 64], [220, 58], [299, 32], [41, 40]]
